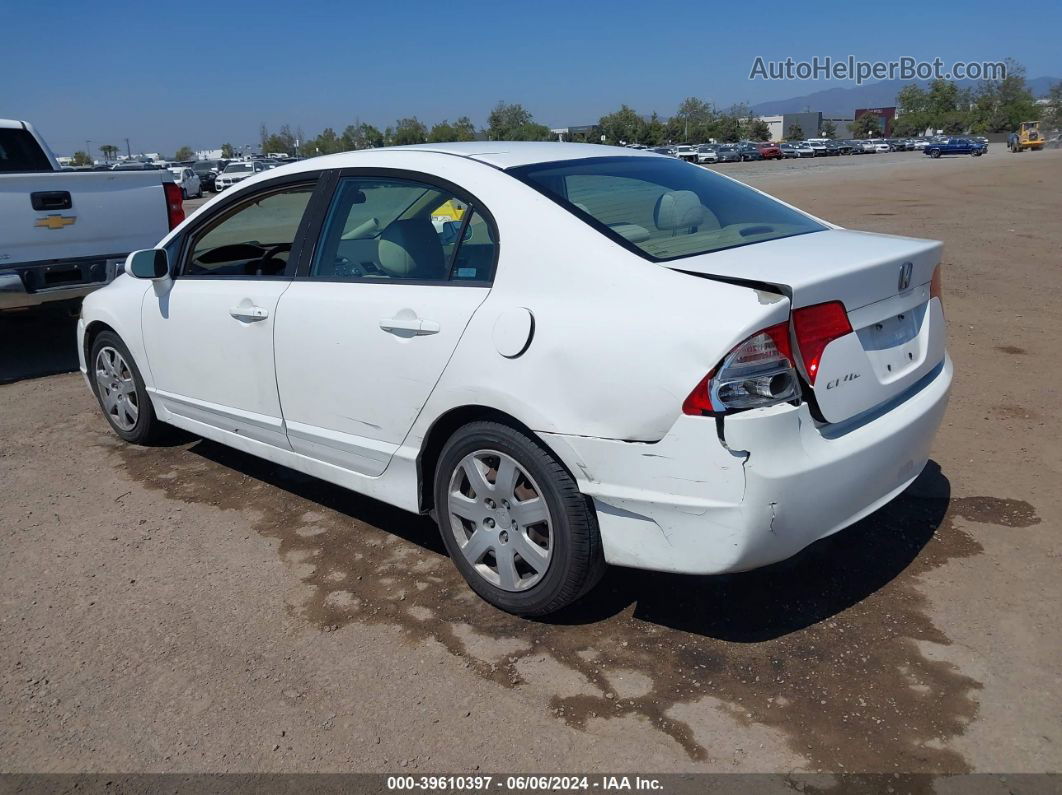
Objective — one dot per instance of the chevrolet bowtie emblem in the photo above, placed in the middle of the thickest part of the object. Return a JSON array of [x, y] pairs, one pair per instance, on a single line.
[[55, 221]]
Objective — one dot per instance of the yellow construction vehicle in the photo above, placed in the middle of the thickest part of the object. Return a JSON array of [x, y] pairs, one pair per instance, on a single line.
[[1028, 137]]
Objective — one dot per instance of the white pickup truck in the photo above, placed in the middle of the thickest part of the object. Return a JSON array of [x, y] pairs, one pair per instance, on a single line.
[[66, 233]]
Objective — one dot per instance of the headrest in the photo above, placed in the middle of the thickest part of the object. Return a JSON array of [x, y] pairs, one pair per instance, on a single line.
[[679, 209], [411, 249]]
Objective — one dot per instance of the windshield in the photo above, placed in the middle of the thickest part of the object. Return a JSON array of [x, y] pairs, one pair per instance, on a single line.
[[235, 168], [664, 208]]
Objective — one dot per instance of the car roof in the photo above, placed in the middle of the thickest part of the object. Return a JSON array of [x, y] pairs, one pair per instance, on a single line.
[[500, 154]]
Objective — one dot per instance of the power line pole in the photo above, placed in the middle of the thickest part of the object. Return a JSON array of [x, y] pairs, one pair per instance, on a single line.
[[128, 151]]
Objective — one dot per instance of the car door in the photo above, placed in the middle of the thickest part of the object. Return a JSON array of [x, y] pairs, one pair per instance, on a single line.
[[209, 337], [367, 327]]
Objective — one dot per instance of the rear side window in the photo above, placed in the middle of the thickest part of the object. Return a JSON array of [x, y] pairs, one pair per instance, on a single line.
[[381, 230], [19, 151], [663, 208]]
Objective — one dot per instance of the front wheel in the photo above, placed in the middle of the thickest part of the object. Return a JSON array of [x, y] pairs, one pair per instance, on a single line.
[[935, 153], [514, 522], [120, 390]]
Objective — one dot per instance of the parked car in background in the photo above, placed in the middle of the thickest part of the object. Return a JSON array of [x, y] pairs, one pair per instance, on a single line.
[[187, 181], [686, 152], [664, 150], [136, 165], [788, 150], [750, 151], [769, 151], [207, 171], [852, 147], [819, 148], [66, 233], [955, 146], [708, 153], [728, 153], [803, 148], [751, 332], [239, 170], [919, 144]]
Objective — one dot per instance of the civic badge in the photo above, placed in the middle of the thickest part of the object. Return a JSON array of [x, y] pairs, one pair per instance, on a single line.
[[55, 221], [905, 275]]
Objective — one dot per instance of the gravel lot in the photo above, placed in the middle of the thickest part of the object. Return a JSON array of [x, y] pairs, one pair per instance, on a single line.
[[189, 608]]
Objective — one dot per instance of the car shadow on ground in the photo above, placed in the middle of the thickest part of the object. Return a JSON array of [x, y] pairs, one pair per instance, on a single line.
[[37, 343], [825, 579]]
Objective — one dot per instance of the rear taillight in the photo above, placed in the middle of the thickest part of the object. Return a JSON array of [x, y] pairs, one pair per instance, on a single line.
[[758, 372], [174, 203], [936, 290], [816, 327]]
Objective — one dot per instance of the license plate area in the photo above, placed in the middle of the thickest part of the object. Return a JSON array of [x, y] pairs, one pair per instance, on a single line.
[[895, 345]]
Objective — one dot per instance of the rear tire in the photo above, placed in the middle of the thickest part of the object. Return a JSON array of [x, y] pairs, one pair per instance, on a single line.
[[119, 388], [565, 560], [935, 153]]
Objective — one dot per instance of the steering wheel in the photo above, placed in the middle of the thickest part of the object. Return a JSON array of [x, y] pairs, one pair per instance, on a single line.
[[268, 256]]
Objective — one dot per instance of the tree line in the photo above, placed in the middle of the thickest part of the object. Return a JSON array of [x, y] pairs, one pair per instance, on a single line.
[[992, 106], [507, 122]]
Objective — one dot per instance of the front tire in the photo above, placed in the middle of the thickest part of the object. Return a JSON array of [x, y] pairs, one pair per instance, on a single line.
[[120, 390], [514, 522], [935, 153]]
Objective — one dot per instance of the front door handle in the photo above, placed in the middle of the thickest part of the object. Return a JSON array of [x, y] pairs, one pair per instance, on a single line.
[[411, 325], [249, 313]]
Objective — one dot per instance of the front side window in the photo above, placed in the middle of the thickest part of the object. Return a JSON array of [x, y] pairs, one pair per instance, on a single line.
[[393, 230], [254, 240], [664, 208]]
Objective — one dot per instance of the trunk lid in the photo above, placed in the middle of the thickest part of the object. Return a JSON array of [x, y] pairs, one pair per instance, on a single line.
[[897, 335]]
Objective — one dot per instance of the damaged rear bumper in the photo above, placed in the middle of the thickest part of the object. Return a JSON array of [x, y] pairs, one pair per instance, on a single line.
[[710, 498]]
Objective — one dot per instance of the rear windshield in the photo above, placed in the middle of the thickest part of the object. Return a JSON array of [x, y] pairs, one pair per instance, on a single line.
[[664, 208], [19, 151]]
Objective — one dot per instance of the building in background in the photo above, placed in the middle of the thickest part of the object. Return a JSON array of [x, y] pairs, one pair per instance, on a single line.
[[807, 124], [885, 116], [585, 133]]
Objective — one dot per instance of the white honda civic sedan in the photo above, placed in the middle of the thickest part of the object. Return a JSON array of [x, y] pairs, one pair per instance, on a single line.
[[569, 355]]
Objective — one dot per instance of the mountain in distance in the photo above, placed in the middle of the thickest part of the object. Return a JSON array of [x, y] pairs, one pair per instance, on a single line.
[[842, 101]]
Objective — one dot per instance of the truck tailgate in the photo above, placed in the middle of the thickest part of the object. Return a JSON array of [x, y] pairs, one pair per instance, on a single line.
[[109, 213]]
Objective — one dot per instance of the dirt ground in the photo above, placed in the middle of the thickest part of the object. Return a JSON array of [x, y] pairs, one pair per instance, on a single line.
[[190, 608]]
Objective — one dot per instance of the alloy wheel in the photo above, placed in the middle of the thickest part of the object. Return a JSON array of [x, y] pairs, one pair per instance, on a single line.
[[117, 388]]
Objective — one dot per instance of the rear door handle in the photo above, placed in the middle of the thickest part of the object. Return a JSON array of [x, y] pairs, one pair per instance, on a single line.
[[414, 324], [249, 313]]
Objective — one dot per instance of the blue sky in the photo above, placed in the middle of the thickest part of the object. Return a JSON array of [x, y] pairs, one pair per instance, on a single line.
[[200, 73]]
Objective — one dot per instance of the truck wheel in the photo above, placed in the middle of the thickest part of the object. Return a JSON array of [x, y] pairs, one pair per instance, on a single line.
[[934, 153], [514, 522], [119, 388]]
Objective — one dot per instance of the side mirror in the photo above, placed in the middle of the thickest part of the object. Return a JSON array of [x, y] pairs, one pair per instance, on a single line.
[[151, 263]]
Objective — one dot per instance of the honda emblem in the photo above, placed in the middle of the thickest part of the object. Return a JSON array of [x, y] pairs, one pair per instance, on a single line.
[[905, 275]]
